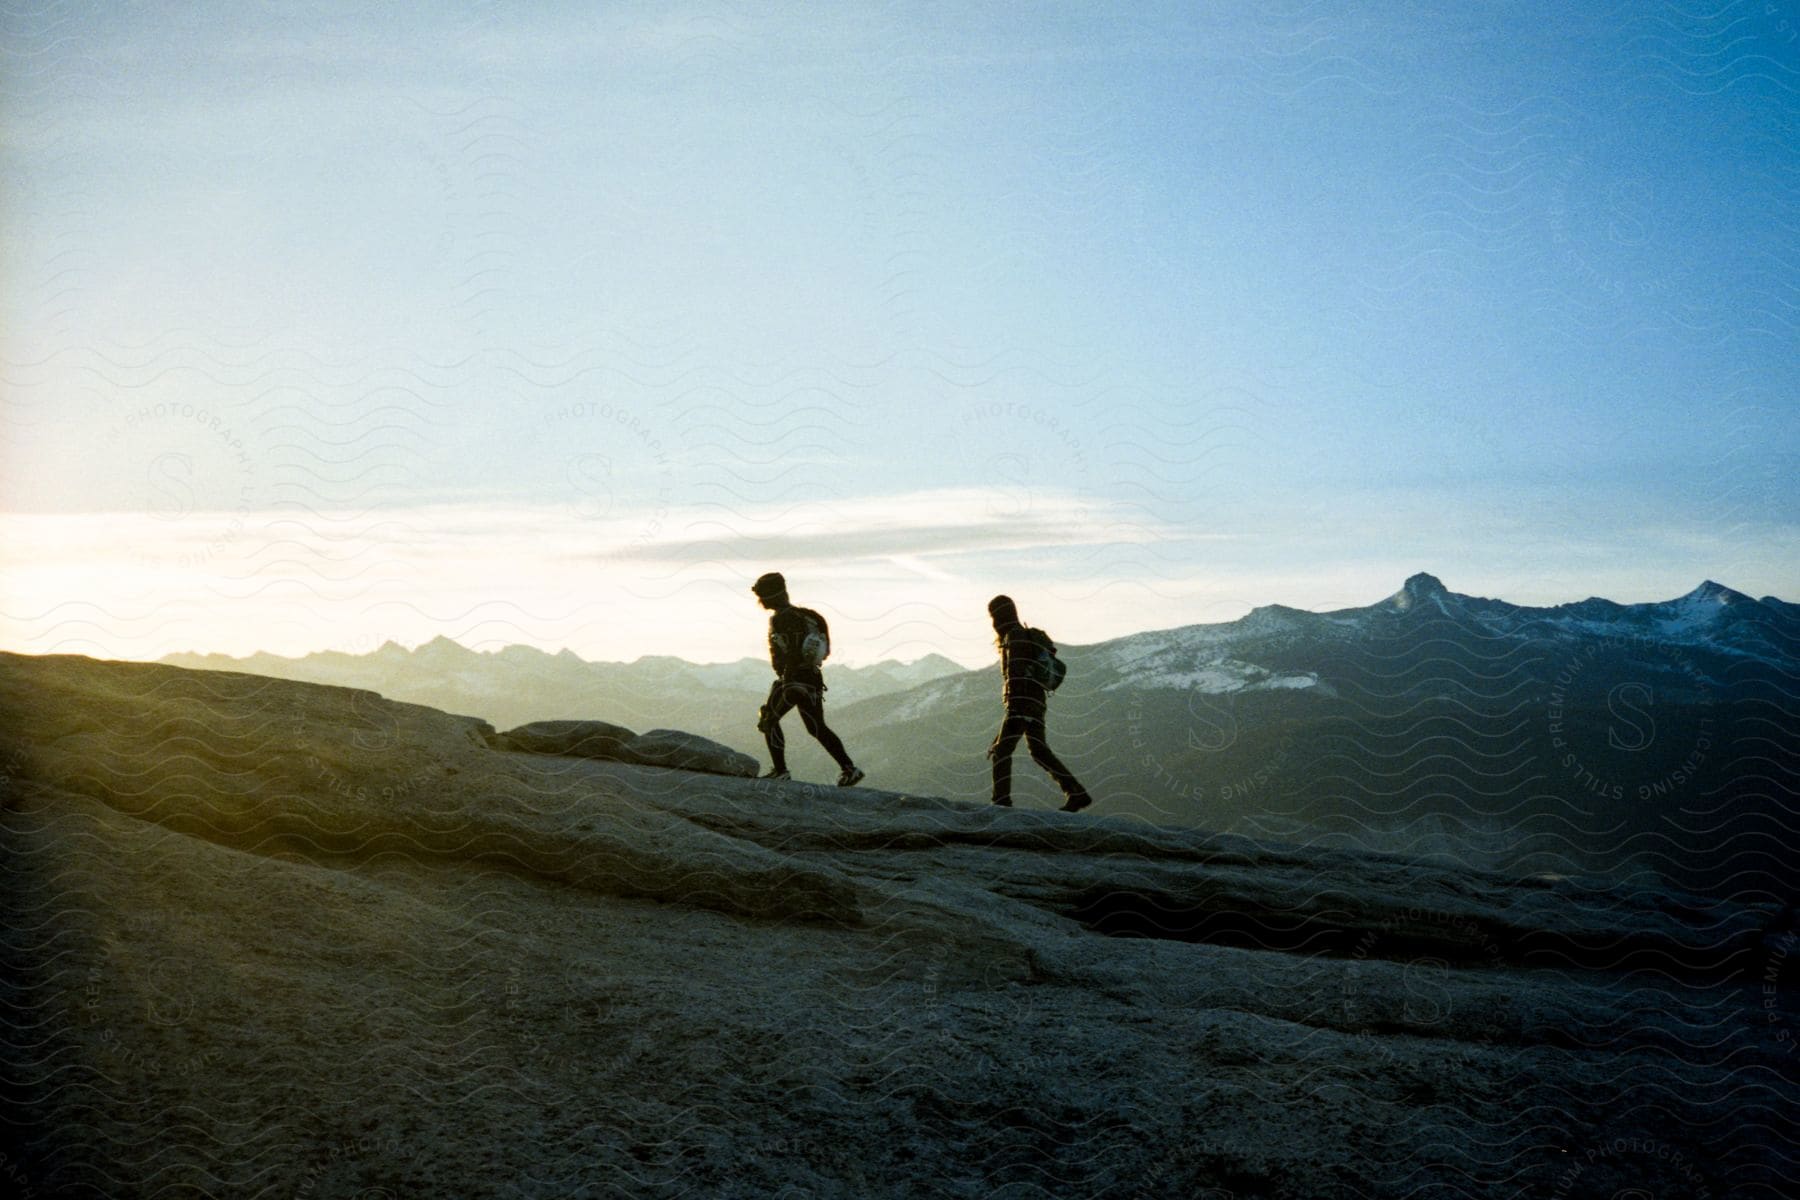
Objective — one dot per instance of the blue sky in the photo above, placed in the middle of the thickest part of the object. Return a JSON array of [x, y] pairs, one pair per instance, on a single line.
[[326, 326]]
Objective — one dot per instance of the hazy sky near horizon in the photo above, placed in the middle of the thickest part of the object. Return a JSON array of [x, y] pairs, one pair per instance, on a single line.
[[325, 325]]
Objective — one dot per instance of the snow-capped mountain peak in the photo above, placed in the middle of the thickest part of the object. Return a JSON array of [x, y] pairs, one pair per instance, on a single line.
[[1713, 593], [1698, 611], [1420, 591]]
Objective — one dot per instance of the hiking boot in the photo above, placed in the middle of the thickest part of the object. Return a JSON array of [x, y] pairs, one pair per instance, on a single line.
[[1077, 802], [851, 776], [772, 773]]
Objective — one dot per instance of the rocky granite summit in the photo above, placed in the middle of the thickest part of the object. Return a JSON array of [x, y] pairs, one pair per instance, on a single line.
[[267, 938]]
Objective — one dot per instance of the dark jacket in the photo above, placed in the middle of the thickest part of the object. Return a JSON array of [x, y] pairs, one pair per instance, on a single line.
[[1020, 685], [788, 627]]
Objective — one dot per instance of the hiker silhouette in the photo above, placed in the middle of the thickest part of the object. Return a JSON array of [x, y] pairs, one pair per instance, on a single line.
[[799, 640], [1029, 670]]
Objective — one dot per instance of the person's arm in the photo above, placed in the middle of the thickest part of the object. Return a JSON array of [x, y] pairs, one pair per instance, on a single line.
[[1006, 687], [775, 642]]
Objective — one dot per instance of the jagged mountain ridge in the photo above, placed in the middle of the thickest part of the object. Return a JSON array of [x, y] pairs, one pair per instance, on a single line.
[[1590, 735], [1711, 615]]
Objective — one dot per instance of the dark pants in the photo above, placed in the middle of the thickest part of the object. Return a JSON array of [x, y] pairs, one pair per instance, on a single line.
[[1028, 722], [786, 694]]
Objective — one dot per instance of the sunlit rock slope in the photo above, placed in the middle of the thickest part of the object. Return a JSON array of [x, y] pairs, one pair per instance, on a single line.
[[280, 939]]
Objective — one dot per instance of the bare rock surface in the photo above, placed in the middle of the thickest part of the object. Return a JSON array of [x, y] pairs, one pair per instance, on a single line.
[[581, 739], [687, 752], [615, 743], [280, 939]]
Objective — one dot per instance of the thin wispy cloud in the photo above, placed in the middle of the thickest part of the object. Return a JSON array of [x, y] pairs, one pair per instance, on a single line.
[[923, 525]]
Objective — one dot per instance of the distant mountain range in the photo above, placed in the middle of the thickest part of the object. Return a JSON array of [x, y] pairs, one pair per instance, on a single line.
[[1584, 736], [517, 684]]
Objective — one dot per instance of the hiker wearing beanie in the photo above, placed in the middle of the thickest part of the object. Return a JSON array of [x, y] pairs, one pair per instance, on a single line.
[[798, 643], [1029, 672]]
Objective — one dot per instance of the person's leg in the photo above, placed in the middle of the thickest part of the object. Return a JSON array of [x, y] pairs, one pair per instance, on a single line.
[[1005, 742], [1043, 756], [812, 715], [773, 709]]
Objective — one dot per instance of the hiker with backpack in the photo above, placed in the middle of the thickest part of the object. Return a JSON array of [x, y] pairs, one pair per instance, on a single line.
[[798, 642], [1029, 672]]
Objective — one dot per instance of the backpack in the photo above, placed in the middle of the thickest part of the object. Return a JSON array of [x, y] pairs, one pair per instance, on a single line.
[[815, 647], [1045, 667]]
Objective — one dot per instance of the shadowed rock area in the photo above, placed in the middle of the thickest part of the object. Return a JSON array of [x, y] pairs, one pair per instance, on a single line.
[[579, 739], [615, 743], [276, 939]]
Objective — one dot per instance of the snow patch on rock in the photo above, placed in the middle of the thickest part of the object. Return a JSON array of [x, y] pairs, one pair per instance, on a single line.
[[1217, 677]]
